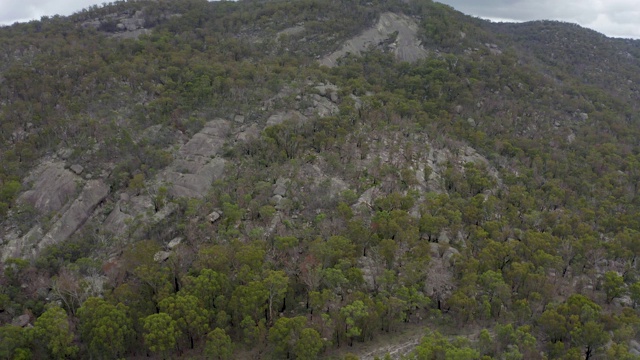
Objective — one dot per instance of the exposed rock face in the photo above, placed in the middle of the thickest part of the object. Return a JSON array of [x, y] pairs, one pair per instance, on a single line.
[[126, 209], [77, 169], [53, 186], [249, 133], [21, 321], [73, 214], [190, 174], [196, 164], [322, 107], [281, 117], [175, 242], [123, 25], [294, 30], [214, 216], [281, 186], [161, 256], [94, 192], [406, 46]]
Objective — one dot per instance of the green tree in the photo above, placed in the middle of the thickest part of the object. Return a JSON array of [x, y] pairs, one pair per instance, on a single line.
[[14, 343], [353, 315], [591, 336], [613, 285], [284, 334], [52, 332], [309, 345], [634, 293], [219, 345], [553, 324], [619, 352], [275, 282], [434, 346], [191, 318], [160, 333], [249, 300], [106, 329], [211, 287]]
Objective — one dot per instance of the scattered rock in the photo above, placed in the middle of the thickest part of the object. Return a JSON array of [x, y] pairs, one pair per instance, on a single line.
[[449, 254], [276, 200], [322, 107], [329, 91], [175, 242], [250, 133], [294, 30], [623, 301], [166, 210], [77, 169], [471, 122], [239, 119], [213, 217], [357, 101], [493, 49], [21, 321], [281, 186], [367, 197], [443, 237], [275, 220], [584, 116], [65, 153], [161, 256], [281, 117]]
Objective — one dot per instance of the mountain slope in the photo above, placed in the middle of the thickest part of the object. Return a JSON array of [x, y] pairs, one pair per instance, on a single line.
[[197, 167]]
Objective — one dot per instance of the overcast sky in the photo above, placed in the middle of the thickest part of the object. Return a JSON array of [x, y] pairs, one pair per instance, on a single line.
[[616, 18]]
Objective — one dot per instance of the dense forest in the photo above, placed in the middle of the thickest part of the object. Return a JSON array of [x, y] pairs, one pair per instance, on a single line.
[[186, 179]]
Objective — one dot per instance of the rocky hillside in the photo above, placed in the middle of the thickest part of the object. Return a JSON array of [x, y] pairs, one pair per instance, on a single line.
[[301, 179]]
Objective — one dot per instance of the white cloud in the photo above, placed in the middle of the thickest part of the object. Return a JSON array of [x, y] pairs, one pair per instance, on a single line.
[[616, 18], [25, 10]]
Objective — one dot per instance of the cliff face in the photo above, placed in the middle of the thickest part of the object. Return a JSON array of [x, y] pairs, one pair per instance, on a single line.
[[396, 31]]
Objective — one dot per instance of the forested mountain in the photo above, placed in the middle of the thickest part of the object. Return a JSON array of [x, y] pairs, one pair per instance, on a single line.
[[316, 179]]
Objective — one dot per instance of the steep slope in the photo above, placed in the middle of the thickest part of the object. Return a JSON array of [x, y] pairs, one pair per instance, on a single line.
[[398, 31], [164, 161]]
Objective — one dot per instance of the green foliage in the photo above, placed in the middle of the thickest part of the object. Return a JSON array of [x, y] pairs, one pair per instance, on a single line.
[[434, 346], [219, 345], [613, 285], [191, 318], [486, 184], [160, 333], [354, 314], [284, 335], [309, 345], [14, 343], [106, 329], [52, 333], [8, 192]]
